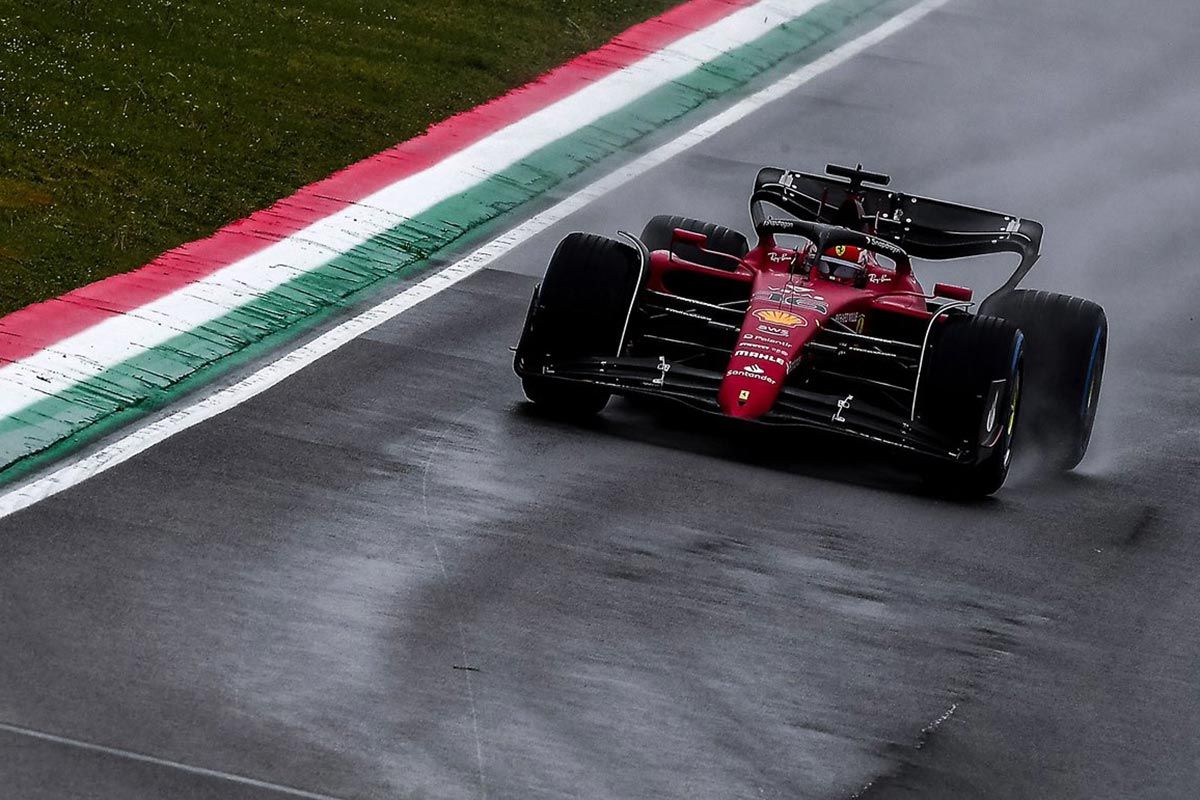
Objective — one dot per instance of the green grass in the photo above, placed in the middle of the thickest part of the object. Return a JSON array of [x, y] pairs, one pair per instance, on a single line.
[[127, 127]]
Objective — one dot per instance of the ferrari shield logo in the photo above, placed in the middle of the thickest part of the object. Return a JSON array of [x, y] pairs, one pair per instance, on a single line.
[[840, 250]]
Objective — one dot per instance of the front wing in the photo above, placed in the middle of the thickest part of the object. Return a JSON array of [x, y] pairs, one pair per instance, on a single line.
[[795, 407]]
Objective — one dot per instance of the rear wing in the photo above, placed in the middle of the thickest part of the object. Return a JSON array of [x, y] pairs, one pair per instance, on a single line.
[[923, 226]]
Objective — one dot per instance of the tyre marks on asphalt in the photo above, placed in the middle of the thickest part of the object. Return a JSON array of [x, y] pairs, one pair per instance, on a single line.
[[465, 666]]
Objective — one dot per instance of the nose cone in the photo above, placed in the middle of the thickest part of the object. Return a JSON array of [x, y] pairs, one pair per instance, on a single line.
[[744, 399], [783, 315], [752, 382]]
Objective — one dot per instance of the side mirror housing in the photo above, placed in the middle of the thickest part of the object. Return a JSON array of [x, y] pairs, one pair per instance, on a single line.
[[689, 237], [952, 292]]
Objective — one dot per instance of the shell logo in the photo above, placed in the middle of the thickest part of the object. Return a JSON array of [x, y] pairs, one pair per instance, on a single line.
[[773, 316]]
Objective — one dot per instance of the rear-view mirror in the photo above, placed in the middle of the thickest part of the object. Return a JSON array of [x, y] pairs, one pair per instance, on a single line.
[[952, 292]]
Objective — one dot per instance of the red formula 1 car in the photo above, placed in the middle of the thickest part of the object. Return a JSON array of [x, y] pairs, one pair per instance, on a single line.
[[822, 324]]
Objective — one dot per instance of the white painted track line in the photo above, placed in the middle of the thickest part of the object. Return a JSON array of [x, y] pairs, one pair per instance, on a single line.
[[191, 769]]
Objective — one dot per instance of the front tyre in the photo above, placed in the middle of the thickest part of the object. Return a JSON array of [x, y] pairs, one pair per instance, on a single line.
[[581, 309], [971, 390], [1067, 339]]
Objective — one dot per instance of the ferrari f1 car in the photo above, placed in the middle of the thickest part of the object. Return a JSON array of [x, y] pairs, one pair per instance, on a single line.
[[822, 324]]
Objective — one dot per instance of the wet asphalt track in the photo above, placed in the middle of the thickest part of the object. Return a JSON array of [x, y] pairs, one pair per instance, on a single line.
[[388, 578]]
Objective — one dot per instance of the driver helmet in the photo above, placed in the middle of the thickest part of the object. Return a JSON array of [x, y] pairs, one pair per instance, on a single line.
[[845, 262]]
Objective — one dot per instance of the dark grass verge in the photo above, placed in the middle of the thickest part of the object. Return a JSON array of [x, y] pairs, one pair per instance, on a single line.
[[129, 127]]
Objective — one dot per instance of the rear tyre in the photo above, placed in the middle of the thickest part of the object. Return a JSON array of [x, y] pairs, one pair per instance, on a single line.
[[658, 233], [1067, 338], [580, 310], [960, 395]]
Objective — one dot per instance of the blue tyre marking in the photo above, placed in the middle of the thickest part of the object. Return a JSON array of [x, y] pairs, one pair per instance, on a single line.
[[1087, 383]]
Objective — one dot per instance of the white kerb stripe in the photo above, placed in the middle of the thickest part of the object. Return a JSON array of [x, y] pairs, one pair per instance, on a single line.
[[152, 433]]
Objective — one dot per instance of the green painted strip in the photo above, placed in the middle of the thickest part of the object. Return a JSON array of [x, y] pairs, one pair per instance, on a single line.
[[153, 379]]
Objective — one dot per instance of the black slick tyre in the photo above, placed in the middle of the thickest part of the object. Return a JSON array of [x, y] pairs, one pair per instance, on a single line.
[[971, 391], [658, 233], [1066, 342], [581, 309]]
